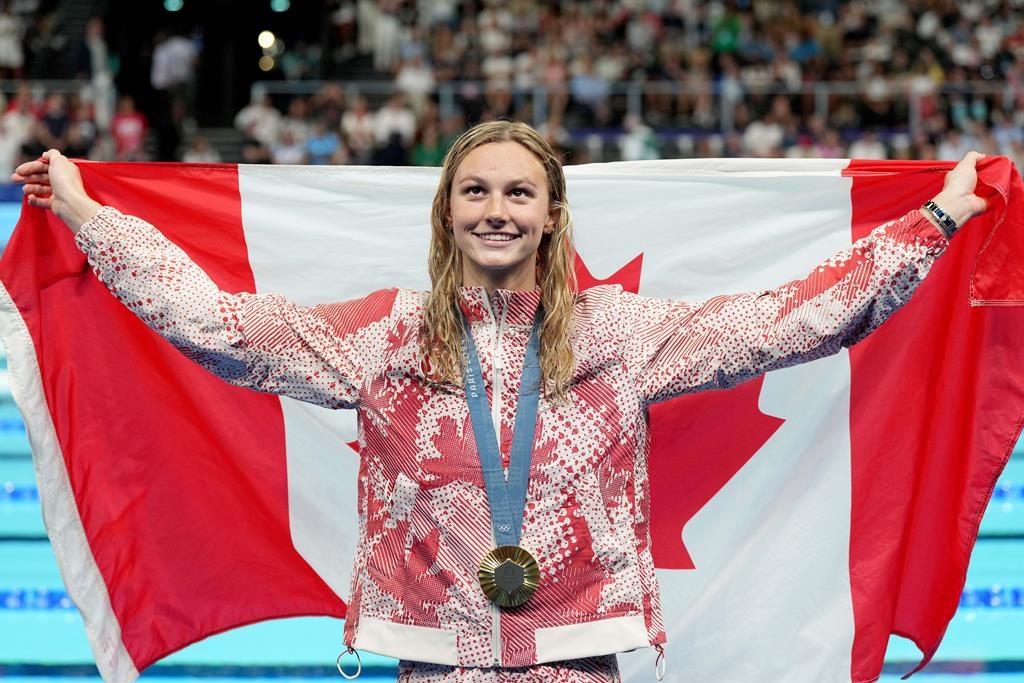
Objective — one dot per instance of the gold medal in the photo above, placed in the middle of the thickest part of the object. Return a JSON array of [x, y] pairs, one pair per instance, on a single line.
[[509, 575]]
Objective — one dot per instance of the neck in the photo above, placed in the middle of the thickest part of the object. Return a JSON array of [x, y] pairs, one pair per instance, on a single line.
[[517, 282]]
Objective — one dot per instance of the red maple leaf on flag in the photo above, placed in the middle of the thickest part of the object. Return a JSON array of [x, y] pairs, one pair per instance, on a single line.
[[698, 443]]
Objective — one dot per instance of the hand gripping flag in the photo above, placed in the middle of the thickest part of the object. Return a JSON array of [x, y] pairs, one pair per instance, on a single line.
[[797, 520]]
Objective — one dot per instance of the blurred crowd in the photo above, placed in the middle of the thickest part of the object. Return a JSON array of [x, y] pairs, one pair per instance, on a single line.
[[578, 51], [31, 38], [923, 79], [605, 79], [85, 116]]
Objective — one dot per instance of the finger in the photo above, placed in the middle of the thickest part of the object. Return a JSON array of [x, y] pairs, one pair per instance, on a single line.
[[30, 168], [972, 158], [42, 178], [40, 190], [40, 202]]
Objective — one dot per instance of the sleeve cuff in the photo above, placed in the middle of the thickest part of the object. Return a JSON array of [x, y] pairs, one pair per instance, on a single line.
[[92, 231], [915, 223], [931, 227]]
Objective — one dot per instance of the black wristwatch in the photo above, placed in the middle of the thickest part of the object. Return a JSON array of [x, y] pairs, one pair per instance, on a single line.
[[947, 225]]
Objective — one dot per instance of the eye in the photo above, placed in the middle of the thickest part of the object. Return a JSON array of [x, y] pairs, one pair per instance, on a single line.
[[474, 190], [520, 192]]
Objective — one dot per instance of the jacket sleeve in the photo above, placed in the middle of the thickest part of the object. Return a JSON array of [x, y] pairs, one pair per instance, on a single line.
[[679, 347], [319, 354]]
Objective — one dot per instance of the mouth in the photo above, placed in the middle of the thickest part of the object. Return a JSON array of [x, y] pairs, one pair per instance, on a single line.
[[496, 238]]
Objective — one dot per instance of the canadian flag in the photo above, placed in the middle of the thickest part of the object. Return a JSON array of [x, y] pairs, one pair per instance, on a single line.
[[798, 519]]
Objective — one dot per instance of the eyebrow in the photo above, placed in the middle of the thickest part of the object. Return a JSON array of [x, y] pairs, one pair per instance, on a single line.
[[517, 181]]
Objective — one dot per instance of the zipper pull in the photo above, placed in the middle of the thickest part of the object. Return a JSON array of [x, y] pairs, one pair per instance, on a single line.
[[359, 663], [659, 663]]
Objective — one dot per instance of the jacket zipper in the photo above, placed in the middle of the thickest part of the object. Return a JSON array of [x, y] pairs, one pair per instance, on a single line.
[[496, 390], [496, 633]]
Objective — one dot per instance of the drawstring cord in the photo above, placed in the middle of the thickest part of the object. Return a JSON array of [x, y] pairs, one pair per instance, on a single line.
[[659, 663]]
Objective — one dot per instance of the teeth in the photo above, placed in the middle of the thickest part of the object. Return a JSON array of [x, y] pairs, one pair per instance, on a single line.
[[497, 238]]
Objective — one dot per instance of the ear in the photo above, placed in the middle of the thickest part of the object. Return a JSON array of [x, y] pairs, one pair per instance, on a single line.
[[549, 224]]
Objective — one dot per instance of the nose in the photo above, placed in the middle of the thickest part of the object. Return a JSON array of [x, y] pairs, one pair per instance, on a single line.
[[497, 211]]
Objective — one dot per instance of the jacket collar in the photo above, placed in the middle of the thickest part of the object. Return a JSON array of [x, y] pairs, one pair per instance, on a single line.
[[516, 307]]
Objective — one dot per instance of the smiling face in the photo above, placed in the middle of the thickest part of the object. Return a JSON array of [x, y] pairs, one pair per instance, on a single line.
[[500, 210]]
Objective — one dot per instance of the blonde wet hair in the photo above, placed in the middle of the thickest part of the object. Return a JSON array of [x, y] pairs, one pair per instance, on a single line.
[[441, 333]]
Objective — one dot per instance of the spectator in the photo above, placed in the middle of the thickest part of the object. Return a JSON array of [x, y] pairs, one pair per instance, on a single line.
[[51, 130], [394, 117], [416, 79], [45, 42], [386, 36], [94, 64], [343, 17], [429, 149], [128, 128], [296, 122], [357, 127], [830, 145], [289, 150], [175, 59], [12, 55], [953, 141], [253, 151], [80, 139], [259, 119], [324, 145], [590, 92], [803, 149], [639, 142], [17, 126], [868, 146], [301, 62], [83, 132], [328, 104], [201, 152], [556, 134], [366, 25], [763, 137], [452, 126], [555, 79], [446, 55], [393, 152]]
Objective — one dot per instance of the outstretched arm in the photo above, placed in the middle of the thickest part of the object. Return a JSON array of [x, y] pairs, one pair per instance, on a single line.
[[680, 347], [52, 182], [319, 354]]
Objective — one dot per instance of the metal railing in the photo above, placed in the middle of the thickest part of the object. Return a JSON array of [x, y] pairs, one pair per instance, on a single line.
[[819, 98]]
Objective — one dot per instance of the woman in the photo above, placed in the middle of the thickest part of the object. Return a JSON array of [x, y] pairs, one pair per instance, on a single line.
[[463, 571]]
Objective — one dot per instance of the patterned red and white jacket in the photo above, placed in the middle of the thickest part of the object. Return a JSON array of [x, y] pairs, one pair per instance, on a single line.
[[424, 522]]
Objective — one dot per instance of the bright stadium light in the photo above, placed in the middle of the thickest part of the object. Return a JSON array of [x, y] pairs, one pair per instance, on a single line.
[[267, 39], [173, 5], [280, 5]]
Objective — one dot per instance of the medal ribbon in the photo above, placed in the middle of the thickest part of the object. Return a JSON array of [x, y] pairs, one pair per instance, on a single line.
[[506, 497]]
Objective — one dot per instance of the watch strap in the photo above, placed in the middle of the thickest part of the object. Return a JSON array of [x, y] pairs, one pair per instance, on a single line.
[[947, 225]]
